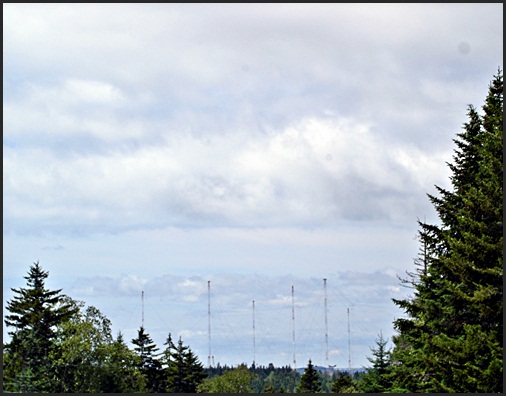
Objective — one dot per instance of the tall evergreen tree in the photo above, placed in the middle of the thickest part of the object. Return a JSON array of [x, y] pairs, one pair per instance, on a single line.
[[149, 364], [184, 371], [35, 314], [310, 381], [452, 339], [376, 378], [343, 383]]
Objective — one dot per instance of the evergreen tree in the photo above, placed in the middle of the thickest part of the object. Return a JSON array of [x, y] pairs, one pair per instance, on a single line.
[[148, 363], [452, 339], [376, 378], [270, 379], [184, 372], [310, 380], [35, 314], [343, 383]]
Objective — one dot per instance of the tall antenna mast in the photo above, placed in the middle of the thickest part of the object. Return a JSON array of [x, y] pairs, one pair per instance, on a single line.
[[142, 298], [349, 344], [209, 321], [254, 344], [293, 329], [326, 325]]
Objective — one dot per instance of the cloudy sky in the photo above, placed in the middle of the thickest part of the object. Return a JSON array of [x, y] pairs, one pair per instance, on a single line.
[[158, 147]]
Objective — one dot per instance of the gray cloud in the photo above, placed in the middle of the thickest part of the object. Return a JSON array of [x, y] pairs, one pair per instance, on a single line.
[[314, 172], [297, 58], [306, 114]]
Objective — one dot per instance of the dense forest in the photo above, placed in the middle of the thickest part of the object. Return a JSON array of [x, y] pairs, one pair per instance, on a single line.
[[450, 339]]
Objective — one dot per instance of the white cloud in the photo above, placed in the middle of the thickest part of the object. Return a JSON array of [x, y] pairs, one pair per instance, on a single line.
[[73, 111], [303, 174], [224, 131], [186, 335], [95, 92], [132, 283], [394, 289], [335, 352]]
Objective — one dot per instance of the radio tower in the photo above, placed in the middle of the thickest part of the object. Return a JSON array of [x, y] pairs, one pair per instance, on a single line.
[[293, 329], [209, 321], [254, 344], [349, 344], [142, 298], [326, 325]]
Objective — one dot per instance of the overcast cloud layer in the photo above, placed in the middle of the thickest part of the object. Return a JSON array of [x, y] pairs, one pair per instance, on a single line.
[[245, 142]]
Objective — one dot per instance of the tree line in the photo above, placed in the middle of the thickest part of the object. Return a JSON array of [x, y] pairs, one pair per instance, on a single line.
[[450, 340], [58, 345]]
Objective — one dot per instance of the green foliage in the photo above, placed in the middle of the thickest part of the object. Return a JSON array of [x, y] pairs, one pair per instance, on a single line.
[[184, 371], [376, 379], [343, 383], [35, 314], [79, 351], [264, 378], [61, 346], [274, 379], [87, 358], [232, 381], [452, 339], [120, 374], [310, 381], [148, 362]]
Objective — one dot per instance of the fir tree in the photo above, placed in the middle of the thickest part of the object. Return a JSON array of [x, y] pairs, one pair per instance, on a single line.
[[452, 340], [35, 314], [310, 380], [343, 383], [148, 363], [376, 379], [184, 371]]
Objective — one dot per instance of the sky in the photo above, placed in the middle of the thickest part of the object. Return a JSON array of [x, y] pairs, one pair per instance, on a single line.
[[212, 155]]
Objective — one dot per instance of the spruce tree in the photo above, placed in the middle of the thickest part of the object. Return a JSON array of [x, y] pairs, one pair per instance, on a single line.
[[343, 383], [452, 338], [376, 379], [149, 364], [184, 371], [310, 380], [35, 314]]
